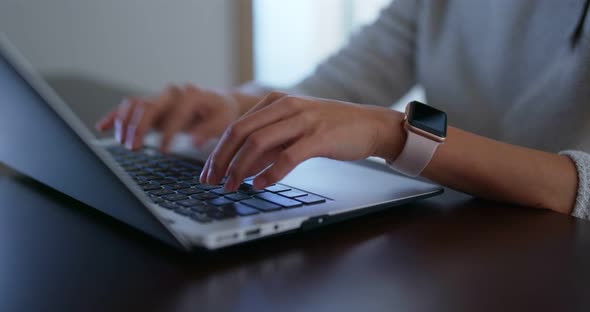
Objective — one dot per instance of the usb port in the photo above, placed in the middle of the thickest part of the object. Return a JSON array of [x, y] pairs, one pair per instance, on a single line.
[[253, 232]]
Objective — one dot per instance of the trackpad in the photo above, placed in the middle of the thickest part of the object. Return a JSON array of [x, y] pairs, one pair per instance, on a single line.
[[350, 181]]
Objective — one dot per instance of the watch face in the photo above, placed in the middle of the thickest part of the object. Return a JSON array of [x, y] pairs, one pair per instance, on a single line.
[[428, 119]]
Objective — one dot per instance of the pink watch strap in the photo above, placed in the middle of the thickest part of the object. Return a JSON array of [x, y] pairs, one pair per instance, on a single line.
[[415, 156]]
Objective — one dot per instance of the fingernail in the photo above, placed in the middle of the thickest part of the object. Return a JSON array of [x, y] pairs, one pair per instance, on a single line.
[[230, 184], [202, 177], [129, 138], [211, 177], [118, 132]]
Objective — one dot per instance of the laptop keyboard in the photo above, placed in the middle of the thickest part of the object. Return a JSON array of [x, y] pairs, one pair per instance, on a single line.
[[172, 182]]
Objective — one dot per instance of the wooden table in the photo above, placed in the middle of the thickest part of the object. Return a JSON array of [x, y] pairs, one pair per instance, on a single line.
[[450, 253]]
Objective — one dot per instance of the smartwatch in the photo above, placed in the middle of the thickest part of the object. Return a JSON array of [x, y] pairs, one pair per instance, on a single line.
[[427, 129]]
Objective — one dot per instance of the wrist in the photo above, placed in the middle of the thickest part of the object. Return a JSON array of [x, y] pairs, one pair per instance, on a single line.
[[391, 136]]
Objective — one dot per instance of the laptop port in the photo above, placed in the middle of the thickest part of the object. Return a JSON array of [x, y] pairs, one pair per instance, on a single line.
[[253, 232], [226, 238]]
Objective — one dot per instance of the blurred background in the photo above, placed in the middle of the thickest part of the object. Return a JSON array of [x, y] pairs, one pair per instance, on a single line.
[[96, 52]]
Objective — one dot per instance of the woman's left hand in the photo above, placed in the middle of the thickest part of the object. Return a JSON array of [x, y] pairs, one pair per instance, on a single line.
[[282, 131]]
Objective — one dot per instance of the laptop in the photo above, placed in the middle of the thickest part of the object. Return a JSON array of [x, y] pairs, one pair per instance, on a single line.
[[160, 195]]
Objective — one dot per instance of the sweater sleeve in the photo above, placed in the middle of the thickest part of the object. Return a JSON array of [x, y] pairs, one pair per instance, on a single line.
[[378, 64], [582, 161]]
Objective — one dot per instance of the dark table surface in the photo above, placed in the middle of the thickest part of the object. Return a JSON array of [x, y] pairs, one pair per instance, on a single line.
[[450, 253]]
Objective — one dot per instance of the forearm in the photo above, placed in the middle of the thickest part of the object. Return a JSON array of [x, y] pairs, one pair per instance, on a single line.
[[504, 172]]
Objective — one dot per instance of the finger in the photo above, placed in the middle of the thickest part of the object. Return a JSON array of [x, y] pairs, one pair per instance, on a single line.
[[260, 142], [142, 114], [203, 176], [164, 102], [122, 119], [179, 118], [267, 100], [107, 122], [287, 160], [235, 135], [264, 161], [144, 118]]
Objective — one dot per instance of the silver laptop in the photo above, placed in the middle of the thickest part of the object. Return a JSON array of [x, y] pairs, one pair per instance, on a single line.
[[160, 194]]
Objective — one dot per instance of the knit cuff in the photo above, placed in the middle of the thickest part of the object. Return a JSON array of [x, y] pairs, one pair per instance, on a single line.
[[582, 161]]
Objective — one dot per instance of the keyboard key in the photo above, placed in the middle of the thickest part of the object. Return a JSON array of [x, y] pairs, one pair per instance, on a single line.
[[141, 182], [166, 182], [141, 173], [278, 199], [156, 199], [174, 197], [185, 178], [311, 199], [190, 165], [184, 211], [191, 181], [153, 177], [189, 202], [202, 208], [149, 187], [216, 214], [292, 194], [240, 209], [114, 149], [220, 201], [177, 186], [200, 217], [142, 164], [177, 169], [160, 192], [261, 205], [157, 170], [174, 176], [277, 188], [167, 172], [237, 196], [249, 189], [207, 187], [131, 168], [204, 196], [219, 214], [190, 191], [164, 163], [221, 191], [170, 206]]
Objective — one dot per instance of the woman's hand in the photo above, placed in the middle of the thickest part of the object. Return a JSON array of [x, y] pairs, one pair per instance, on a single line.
[[204, 113], [282, 131]]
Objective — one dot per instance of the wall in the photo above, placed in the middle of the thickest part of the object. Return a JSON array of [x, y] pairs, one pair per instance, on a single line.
[[142, 44]]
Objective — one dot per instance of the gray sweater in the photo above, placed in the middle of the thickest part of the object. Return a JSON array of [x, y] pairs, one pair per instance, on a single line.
[[505, 69]]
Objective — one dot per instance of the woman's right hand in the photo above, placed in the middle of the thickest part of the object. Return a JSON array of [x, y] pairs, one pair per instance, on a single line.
[[203, 113]]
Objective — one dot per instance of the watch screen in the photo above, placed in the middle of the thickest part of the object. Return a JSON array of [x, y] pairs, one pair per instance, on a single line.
[[428, 119]]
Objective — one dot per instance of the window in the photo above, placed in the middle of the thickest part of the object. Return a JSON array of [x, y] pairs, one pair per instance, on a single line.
[[291, 37]]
